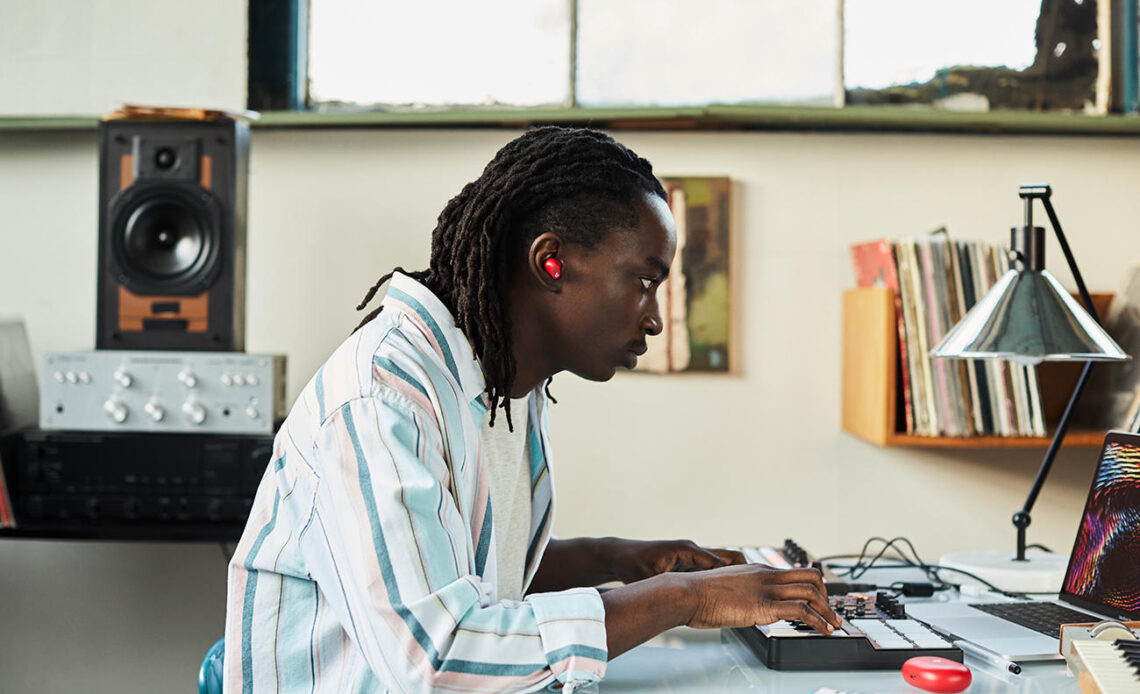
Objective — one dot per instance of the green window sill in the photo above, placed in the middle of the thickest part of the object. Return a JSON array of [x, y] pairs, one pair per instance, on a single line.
[[783, 118]]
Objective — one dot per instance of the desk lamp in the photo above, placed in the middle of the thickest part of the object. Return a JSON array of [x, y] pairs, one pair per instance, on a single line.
[[1028, 317]]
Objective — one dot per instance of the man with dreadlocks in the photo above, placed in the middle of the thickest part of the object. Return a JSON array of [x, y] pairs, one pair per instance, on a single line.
[[400, 538]]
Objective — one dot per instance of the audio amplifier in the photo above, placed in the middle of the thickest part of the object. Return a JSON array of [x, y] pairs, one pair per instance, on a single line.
[[156, 391]]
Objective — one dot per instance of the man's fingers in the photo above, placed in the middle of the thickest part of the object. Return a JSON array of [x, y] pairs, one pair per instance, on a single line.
[[700, 558], [730, 556], [804, 612], [799, 576], [803, 592]]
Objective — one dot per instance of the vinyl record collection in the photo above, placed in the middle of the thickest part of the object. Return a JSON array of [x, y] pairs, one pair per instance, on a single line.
[[936, 280]]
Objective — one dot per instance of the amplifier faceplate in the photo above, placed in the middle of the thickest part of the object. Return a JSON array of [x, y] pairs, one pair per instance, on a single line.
[[155, 391], [67, 477]]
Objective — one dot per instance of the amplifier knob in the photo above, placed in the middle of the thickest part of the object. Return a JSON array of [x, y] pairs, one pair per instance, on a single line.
[[124, 378], [214, 509], [252, 412], [91, 507], [194, 411], [117, 410], [156, 411], [187, 377]]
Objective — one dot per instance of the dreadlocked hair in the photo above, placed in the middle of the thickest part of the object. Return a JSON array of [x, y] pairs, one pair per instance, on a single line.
[[577, 182]]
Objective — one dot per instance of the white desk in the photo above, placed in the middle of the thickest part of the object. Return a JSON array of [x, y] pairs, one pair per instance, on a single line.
[[697, 661], [707, 660]]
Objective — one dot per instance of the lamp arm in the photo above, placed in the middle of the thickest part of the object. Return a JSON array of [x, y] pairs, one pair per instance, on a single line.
[[1021, 519], [1069, 258]]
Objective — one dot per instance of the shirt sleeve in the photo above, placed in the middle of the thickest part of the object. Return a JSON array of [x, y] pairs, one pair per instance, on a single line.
[[394, 556]]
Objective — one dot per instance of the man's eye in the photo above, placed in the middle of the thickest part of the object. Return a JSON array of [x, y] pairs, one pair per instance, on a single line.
[[646, 283]]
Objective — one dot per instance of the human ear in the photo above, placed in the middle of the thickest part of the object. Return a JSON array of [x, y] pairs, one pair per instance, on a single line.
[[544, 262]]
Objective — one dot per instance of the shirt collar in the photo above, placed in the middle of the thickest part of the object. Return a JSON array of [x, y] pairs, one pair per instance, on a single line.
[[424, 308]]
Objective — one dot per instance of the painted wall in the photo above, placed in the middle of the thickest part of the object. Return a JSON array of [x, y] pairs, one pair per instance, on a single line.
[[73, 57]]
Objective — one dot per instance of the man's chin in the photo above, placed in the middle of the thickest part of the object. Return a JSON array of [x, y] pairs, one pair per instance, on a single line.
[[600, 375]]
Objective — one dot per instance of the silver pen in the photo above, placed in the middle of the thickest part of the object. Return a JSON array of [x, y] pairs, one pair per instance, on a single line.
[[998, 660]]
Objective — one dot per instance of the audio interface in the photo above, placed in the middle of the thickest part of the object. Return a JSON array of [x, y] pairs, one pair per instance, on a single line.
[[156, 391]]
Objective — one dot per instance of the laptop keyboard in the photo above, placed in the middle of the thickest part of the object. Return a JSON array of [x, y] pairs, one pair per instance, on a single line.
[[1043, 617]]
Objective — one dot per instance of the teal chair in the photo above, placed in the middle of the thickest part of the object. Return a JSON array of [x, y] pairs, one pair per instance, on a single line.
[[210, 674]]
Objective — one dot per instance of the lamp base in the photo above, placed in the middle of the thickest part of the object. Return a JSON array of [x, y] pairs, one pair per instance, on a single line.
[[1040, 572]]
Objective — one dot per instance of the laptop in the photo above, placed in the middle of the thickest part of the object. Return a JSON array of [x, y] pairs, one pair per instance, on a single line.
[[1102, 580]]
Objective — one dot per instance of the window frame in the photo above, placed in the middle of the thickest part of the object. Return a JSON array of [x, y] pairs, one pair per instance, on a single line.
[[278, 72], [278, 90]]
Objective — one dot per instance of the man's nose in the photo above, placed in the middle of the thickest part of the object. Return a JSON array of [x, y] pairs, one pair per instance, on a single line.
[[652, 323]]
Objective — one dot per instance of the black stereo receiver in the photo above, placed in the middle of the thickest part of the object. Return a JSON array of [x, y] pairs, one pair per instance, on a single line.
[[124, 480]]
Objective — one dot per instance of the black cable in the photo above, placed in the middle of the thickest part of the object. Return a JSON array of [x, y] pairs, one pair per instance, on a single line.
[[979, 579], [857, 569], [1039, 546], [946, 584]]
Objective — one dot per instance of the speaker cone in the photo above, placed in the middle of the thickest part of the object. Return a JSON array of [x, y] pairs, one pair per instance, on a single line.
[[162, 238], [165, 239]]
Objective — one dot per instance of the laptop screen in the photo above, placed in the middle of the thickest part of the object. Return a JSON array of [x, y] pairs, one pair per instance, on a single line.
[[1104, 569]]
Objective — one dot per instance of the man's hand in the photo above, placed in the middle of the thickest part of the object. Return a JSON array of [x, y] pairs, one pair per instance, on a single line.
[[634, 560], [731, 596], [741, 596]]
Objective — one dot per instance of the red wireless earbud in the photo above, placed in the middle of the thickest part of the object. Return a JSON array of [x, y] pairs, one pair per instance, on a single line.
[[553, 267]]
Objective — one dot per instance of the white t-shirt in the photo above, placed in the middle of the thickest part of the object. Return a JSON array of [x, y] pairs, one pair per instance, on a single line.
[[508, 470]]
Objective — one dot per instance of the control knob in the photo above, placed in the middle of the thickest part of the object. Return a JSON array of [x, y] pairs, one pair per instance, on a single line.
[[156, 411], [187, 378], [116, 409], [194, 411], [123, 378]]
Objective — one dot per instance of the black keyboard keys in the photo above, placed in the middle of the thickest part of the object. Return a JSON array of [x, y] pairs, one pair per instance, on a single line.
[[1042, 617]]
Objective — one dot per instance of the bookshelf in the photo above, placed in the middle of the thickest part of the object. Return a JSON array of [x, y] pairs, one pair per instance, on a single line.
[[870, 388]]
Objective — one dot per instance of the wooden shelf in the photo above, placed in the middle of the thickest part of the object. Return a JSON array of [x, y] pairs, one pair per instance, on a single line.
[[1091, 439], [870, 389]]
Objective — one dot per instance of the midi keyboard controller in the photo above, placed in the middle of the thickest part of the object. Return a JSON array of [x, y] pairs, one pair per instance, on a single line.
[[876, 633]]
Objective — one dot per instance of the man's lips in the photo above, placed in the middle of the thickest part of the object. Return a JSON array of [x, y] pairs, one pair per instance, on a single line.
[[638, 348]]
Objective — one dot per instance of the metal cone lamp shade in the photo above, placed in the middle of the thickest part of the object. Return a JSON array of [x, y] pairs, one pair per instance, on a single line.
[[1028, 317]]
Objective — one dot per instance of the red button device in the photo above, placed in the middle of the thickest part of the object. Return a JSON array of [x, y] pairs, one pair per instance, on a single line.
[[936, 674]]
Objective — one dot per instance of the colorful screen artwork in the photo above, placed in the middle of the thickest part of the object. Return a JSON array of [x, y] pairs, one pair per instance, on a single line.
[[1105, 567]]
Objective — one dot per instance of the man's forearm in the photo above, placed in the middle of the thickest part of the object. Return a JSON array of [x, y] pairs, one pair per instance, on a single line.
[[639, 611], [573, 563]]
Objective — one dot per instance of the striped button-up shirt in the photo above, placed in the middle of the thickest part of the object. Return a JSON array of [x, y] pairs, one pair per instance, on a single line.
[[368, 561]]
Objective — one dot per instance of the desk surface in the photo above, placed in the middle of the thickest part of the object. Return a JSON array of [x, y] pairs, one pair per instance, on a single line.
[[708, 660]]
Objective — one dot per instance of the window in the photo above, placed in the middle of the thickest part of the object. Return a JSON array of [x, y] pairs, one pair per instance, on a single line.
[[694, 52], [516, 54], [975, 54], [440, 52]]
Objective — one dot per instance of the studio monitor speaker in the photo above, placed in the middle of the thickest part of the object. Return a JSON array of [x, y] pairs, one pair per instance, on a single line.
[[172, 205]]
